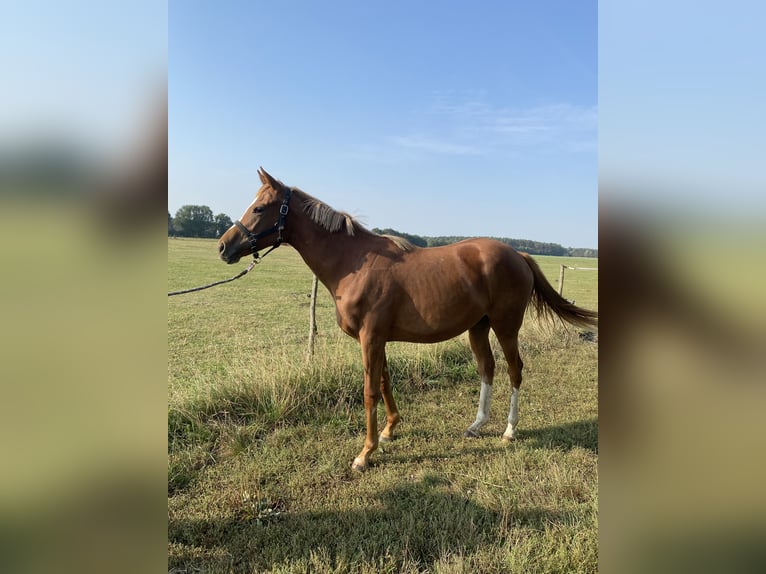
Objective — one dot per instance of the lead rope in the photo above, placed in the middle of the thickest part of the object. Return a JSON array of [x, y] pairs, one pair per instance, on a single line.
[[237, 276], [253, 263]]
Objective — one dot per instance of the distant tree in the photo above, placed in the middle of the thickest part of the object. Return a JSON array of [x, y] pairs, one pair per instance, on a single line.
[[526, 245], [441, 240], [582, 252], [194, 221], [414, 239], [222, 223], [171, 230]]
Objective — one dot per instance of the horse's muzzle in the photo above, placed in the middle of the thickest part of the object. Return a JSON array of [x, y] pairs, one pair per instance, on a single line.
[[227, 257]]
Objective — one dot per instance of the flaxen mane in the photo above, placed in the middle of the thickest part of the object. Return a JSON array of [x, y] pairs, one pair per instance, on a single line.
[[334, 221], [400, 242], [325, 216]]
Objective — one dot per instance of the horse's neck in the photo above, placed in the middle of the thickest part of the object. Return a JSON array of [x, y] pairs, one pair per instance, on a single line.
[[331, 256]]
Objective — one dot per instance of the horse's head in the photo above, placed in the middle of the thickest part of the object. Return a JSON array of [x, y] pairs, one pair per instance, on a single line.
[[262, 223]]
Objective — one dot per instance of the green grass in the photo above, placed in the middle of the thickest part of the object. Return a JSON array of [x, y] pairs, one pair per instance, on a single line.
[[260, 440]]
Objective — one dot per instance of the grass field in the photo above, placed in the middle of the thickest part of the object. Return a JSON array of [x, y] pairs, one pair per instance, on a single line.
[[260, 440]]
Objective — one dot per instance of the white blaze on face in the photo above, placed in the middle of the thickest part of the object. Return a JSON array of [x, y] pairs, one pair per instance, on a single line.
[[249, 209]]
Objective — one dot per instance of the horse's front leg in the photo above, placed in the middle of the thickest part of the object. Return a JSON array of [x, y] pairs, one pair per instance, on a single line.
[[373, 356]]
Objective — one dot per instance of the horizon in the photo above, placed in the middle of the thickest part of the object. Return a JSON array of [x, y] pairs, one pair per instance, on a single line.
[[403, 233]]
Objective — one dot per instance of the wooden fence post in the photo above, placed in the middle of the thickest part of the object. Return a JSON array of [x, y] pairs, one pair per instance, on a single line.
[[561, 280], [313, 316]]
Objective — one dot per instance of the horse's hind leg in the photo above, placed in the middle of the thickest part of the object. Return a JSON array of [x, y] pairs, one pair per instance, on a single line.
[[478, 336], [392, 413], [510, 345]]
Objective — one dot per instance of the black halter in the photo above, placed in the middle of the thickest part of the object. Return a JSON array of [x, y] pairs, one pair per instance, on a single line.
[[277, 227]]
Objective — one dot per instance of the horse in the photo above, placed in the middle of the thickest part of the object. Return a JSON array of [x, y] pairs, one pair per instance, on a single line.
[[386, 289]]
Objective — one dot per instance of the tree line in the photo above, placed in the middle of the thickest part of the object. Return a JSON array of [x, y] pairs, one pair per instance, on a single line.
[[199, 221], [526, 245]]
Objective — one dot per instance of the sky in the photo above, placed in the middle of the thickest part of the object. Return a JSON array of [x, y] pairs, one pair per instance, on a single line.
[[449, 118], [86, 73], [681, 105]]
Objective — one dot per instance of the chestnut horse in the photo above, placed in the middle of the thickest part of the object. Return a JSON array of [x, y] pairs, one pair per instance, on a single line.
[[386, 289]]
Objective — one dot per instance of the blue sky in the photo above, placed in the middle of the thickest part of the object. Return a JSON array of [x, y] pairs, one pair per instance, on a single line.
[[449, 118], [85, 72], [681, 104]]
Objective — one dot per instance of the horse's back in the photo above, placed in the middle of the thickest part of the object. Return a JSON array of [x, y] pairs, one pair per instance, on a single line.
[[439, 292], [482, 259]]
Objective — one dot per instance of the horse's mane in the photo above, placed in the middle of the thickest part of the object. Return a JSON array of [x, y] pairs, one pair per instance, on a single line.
[[325, 216], [334, 221], [400, 242]]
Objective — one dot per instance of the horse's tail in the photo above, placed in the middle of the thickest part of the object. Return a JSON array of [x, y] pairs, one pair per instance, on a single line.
[[549, 304]]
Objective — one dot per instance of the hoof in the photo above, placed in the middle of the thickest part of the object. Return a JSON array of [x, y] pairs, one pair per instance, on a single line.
[[507, 439], [359, 465], [383, 438], [471, 434]]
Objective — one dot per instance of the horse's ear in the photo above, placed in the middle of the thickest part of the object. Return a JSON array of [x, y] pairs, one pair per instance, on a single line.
[[266, 179]]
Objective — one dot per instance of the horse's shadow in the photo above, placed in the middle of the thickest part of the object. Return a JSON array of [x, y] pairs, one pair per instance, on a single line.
[[566, 436], [420, 521]]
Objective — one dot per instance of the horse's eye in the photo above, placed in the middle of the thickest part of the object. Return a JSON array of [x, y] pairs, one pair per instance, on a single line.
[[257, 210]]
